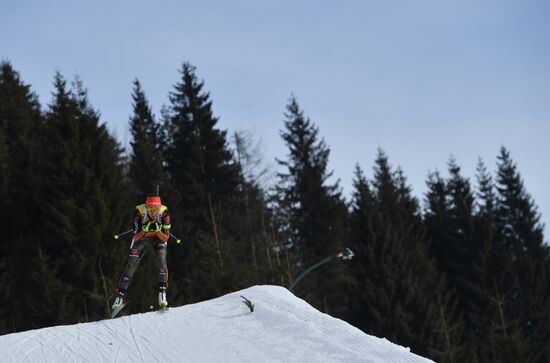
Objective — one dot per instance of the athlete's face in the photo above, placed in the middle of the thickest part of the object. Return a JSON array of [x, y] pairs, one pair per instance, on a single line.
[[153, 212]]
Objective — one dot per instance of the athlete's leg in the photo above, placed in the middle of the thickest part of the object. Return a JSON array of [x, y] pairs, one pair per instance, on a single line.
[[160, 252], [137, 251]]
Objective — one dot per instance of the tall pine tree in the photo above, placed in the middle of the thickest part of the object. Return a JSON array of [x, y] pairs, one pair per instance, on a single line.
[[145, 173], [398, 293], [313, 209], [81, 202], [526, 297], [145, 169], [460, 255], [205, 177], [488, 337], [20, 125]]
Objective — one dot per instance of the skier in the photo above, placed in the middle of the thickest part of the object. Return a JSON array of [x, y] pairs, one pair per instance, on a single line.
[[151, 229]]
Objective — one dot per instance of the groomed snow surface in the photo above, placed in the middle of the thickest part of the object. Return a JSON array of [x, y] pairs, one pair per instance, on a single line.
[[282, 328]]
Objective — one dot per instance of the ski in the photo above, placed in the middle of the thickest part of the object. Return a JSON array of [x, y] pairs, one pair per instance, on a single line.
[[159, 309], [117, 310]]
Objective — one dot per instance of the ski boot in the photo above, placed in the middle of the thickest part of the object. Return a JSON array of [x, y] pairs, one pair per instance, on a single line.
[[163, 303], [119, 301]]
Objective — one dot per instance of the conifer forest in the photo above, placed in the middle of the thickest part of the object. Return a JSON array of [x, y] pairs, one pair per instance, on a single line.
[[461, 274]]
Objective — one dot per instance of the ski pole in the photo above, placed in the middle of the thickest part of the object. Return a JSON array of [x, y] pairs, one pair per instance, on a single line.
[[176, 238], [122, 234]]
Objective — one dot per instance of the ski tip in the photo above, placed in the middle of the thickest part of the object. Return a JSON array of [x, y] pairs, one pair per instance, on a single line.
[[115, 236]]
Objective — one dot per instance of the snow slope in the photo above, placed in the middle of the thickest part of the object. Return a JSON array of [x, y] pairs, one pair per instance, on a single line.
[[282, 328]]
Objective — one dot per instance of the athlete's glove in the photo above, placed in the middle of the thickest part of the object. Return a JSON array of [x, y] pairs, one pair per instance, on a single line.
[[163, 236]]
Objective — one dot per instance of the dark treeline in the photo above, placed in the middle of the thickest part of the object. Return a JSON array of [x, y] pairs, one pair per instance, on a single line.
[[461, 276]]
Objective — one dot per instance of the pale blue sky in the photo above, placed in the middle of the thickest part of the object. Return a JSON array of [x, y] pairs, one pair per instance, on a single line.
[[422, 79]]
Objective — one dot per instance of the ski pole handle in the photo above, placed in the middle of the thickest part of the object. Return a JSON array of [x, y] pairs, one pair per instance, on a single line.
[[178, 241], [122, 234]]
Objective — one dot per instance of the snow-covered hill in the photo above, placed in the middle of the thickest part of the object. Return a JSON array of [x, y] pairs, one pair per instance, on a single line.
[[282, 328]]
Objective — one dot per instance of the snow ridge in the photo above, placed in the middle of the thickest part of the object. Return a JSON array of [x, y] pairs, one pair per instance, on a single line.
[[282, 328]]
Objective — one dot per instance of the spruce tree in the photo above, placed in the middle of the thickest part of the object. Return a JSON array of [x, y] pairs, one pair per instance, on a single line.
[[520, 232], [517, 214], [477, 307], [81, 203], [450, 223], [461, 254], [205, 177], [196, 152], [145, 169], [314, 226], [399, 294], [20, 125], [145, 173], [362, 239], [449, 219]]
